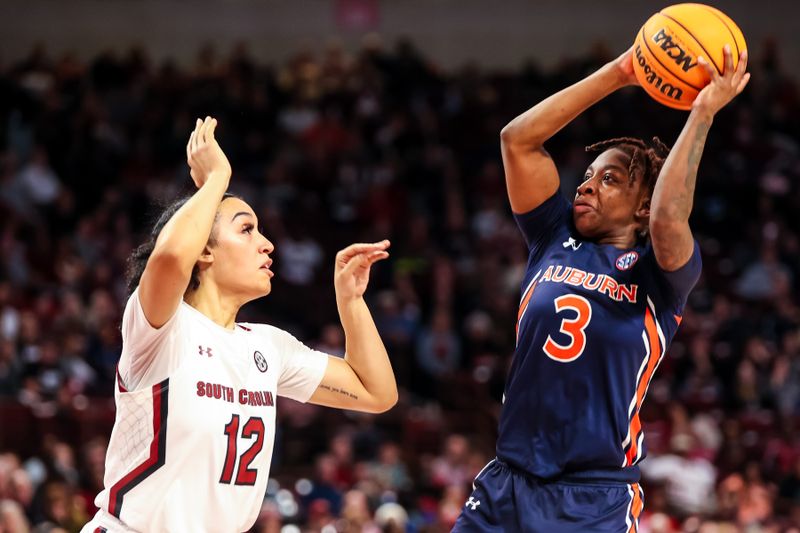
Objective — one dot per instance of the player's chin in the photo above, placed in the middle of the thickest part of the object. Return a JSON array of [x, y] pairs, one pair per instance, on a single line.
[[585, 223], [266, 288], [263, 288]]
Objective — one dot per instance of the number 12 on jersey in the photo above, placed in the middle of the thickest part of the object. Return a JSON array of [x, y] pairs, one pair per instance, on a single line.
[[254, 427]]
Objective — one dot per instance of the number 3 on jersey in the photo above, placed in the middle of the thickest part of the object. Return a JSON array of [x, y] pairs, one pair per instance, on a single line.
[[571, 327], [244, 475]]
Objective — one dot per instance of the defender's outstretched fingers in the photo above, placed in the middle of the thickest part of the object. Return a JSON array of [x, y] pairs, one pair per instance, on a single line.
[[353, 264], [358, 248], [195, 134], [189, 148], [376, 256], [201, 133], [362, 260]]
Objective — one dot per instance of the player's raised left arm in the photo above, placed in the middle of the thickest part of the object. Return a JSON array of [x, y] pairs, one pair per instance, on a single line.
[[673, 195], [364, 379]]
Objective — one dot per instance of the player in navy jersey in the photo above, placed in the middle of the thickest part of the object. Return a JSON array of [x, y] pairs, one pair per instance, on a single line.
[[606, 283]]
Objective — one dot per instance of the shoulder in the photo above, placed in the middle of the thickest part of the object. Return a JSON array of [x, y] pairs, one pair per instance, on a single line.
[[266, 332], [546, 222], [677, 283], [556, 205], [135, 322]]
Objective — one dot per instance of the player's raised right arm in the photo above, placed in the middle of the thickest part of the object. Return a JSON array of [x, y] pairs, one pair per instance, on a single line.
[[183, 238], [531, 175]]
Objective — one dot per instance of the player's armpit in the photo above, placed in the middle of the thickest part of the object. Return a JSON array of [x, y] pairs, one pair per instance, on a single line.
[[342, 388]]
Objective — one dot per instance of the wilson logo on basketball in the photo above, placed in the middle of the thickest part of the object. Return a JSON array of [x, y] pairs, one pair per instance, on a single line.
[[627, 260], [673, 50], [667, 89]]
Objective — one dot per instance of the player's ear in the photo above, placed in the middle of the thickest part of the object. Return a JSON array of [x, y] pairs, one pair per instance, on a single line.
[[644, 209], [643, 213], [206, 258]]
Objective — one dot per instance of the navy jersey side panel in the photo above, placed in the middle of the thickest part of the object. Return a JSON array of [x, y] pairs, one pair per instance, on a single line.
[[594, 322]]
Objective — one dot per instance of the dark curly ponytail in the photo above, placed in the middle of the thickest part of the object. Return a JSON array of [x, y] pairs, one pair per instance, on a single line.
[[138, 258]]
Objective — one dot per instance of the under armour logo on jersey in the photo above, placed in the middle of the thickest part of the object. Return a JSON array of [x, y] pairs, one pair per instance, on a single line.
[[472, 503], [573, 243], [261, 362], [204, 351]]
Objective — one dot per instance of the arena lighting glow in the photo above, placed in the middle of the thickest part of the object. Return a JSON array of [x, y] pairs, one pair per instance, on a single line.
[[273, 486], [303, 487]]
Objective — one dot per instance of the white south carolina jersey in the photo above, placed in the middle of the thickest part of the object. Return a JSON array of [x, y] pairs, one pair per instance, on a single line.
[[193, 437]]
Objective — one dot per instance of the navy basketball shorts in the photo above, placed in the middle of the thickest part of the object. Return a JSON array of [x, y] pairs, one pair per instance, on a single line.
[[506, 500]]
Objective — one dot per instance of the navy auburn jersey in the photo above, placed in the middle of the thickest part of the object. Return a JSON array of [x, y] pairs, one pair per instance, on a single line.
[[593, 324]]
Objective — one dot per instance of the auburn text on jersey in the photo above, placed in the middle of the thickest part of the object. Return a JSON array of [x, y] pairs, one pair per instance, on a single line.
[[601, 283]]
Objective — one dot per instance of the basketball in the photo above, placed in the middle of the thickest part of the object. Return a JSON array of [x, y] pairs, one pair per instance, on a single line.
[[667, 46]]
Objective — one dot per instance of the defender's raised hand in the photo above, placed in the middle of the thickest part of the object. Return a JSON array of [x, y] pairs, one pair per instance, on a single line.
[[204, 155], [351, 273]]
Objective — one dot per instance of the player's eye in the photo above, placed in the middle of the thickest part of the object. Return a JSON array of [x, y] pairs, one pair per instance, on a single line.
[[247, 228], [608, 177]]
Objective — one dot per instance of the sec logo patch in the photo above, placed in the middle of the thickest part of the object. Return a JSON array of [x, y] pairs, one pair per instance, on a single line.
[[627, 260], [261, 362]]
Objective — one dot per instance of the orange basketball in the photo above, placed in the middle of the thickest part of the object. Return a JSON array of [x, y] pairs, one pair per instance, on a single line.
[[666, 48]]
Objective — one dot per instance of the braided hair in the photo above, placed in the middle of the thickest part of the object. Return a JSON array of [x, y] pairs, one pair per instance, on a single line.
[[137, 261], [647, 158]]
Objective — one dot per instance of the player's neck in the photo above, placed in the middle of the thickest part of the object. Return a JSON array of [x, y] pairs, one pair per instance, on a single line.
[[622, 240], [220, 307]]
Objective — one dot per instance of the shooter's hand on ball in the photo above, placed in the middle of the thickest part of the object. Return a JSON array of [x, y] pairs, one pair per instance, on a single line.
[[723, 87], [624, 64]]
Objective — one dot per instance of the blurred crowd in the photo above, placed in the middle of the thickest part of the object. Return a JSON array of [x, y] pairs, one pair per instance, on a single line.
[[334, 147]]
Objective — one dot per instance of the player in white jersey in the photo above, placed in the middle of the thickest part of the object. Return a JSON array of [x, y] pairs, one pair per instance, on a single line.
[[196, 391]]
